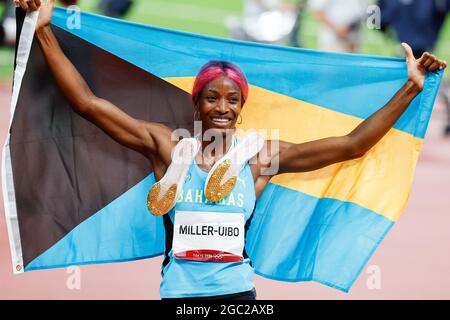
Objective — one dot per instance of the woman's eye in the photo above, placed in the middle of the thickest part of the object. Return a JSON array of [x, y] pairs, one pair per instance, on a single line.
[[234, 100], [211, 99]]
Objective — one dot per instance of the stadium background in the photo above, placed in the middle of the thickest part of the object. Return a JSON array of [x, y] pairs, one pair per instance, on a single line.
[[412, 262]]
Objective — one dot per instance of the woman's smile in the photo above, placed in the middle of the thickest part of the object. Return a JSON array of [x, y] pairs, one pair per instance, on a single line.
[[221, 122], [220, 104]]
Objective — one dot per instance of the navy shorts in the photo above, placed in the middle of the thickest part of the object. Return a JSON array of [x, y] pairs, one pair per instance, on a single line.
[[246, 295]]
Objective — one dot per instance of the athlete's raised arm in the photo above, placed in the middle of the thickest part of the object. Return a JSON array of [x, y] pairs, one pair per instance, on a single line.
[[145, 137], [321, 153]]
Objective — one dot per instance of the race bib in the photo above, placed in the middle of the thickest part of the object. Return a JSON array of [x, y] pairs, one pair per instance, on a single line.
[[208, 236]]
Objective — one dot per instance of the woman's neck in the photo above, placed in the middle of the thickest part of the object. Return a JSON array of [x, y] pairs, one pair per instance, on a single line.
[[215, 146]]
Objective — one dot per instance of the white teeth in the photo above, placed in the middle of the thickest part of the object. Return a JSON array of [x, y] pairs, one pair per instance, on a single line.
[[220, 120]]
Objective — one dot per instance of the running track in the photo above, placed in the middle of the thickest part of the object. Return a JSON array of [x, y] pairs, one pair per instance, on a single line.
[[414, 259]]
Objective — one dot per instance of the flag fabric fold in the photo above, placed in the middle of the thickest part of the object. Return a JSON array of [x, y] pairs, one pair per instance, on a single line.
[[74, 196]]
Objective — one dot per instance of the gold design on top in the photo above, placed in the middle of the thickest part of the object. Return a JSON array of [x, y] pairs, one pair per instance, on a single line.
[[214, 190], [161, 207]]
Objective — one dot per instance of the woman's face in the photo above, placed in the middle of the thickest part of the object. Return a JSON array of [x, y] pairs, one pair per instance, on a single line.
[[220, 104]]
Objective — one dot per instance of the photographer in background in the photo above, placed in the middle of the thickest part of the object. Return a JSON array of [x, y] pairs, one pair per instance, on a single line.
[[418, 23]]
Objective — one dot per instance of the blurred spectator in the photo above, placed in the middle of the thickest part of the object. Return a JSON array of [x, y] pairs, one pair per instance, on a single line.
[[68, 3], [267, 21], [418, 23], [115, 8], [340, 23], [299, 7], [415, 22], [7, 24], [8, 21]]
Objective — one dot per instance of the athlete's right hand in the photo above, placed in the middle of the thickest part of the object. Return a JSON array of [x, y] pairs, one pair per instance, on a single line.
[[45, 12], [28, 5]]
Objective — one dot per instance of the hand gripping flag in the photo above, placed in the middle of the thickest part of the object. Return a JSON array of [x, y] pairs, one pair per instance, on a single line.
[[74, 196]]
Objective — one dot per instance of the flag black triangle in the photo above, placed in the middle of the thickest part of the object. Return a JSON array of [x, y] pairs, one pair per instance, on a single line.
[[73, 169]]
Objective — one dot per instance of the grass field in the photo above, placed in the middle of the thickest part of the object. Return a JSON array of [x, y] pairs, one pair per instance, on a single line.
[[208, 17]]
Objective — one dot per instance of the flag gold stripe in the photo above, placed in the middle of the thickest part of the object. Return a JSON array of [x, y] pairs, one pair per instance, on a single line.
[[380, 181]]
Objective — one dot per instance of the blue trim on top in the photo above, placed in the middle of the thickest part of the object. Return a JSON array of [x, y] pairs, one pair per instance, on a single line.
[[356, 85]]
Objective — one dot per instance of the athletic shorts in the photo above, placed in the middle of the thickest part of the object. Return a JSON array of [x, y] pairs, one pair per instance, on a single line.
[[246, 295]]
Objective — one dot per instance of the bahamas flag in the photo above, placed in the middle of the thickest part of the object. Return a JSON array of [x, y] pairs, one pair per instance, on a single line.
[[74, 196]]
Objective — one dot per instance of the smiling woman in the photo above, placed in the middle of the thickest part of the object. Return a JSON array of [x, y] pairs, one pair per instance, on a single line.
[[215, 263], [220, 90]]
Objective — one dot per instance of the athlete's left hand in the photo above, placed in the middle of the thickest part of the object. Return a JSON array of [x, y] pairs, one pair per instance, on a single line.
[[417, 68]]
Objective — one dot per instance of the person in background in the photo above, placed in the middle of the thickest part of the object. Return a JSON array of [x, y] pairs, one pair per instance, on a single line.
[[68, 3], [7, 24], [8, 21], [299, 7], [340, 22], [115, 8], [418, 23], [267, 21]]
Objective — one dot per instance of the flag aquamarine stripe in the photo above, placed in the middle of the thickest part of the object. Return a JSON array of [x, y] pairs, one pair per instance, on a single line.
[[356, 85], [306, 242], [124, 230]]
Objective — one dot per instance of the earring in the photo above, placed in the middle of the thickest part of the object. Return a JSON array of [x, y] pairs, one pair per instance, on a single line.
[[240, 121], [196, 115]]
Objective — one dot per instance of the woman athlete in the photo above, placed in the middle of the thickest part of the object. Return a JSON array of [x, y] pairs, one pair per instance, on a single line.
[[219, 95]]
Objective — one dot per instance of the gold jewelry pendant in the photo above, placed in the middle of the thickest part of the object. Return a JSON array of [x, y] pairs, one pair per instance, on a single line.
[[161, 207], [215, 191]]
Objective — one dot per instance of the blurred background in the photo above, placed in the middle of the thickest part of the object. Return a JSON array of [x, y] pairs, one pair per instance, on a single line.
[[222, 18], [413, 261]]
